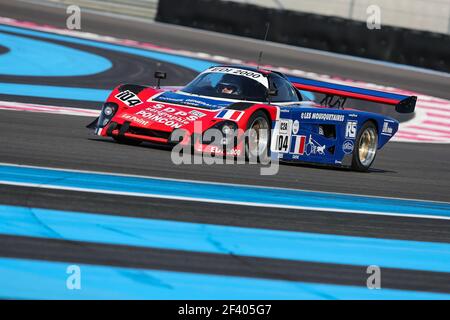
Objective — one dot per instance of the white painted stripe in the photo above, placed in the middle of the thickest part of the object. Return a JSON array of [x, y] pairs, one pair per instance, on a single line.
[[211, 182], [424, 132], [240, 203], [444, 104], [419, 137], [17, 106], [430, 128], [443, 120]]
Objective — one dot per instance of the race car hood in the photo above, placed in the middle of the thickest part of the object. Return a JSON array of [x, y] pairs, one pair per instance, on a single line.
[[171, 111], [181, 98]]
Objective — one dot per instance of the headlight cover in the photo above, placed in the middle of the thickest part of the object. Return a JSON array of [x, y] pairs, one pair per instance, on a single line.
[[108, 111], [227, 131]]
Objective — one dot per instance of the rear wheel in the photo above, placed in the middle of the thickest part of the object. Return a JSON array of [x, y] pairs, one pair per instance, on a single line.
[[257, 142], [366, 146]]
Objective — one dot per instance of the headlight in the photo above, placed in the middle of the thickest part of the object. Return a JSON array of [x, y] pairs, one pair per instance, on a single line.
[[108, 110], [221, 133], [227, 129]]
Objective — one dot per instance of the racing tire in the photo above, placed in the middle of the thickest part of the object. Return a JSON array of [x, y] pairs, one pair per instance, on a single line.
[[257, 141], [366, 146]]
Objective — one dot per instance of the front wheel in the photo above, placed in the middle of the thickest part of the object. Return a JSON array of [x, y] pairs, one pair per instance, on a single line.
[[366, 146], [257, 142]]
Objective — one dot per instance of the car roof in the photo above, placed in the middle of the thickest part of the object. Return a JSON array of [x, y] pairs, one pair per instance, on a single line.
[[254, 69]]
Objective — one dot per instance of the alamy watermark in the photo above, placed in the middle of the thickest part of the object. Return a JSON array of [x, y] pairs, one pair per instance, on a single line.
[[73, 21], [373, 21], [73, 281], [374, 279], [224, 146]]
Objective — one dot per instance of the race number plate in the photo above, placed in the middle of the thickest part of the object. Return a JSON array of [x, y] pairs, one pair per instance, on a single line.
[[282, 141]]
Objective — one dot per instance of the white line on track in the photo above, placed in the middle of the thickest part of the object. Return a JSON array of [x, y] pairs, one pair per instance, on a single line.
[[217, 201], [17, 106], [212, 182]]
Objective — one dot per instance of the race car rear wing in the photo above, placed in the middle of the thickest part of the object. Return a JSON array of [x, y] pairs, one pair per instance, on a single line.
[[402, 103]]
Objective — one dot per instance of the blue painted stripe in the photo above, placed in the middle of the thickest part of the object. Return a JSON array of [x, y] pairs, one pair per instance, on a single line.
[[197, 237], [191, 63], [30, 57], [72, 94], [33, 279], [54, 92], [218, 192], [335, 86]]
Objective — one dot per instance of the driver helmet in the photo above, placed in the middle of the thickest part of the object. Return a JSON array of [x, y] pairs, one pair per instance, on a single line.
[[228, 85]]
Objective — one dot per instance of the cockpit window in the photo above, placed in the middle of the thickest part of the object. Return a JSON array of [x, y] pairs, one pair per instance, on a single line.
[[229, 86], [285, 91]]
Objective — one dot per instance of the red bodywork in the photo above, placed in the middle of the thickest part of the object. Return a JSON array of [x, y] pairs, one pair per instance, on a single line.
[[154, 121]]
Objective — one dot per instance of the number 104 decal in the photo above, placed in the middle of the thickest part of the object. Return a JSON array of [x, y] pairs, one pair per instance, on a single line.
[[129, 98], [282, 141]]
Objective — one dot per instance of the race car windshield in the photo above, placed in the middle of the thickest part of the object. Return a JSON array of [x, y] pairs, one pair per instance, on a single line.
[[229, 86]]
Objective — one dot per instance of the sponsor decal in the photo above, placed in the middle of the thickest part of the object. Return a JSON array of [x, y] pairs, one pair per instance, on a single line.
[[134, 119], [166, 115], [387, 129], [219, 151], [295, 127], [197, 113], [321, 132], [129, 98], [229, 115], [350, 129], [322, 116], [284, 126], [307, 146], [348, 146], [241, 72], [314, 148], [187, 100]]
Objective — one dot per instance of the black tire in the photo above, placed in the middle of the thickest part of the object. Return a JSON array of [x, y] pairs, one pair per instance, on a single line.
[[366, 147], [130, 142], [264, 155]]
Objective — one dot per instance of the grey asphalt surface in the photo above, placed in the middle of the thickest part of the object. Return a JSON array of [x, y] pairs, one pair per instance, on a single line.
[[419, 171]]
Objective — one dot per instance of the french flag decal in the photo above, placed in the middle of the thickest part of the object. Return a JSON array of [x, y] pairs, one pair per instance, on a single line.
[[229, 115], [300, 145]]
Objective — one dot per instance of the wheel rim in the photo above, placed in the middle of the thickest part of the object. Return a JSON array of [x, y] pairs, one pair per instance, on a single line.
[[258, 137], [368, 146]]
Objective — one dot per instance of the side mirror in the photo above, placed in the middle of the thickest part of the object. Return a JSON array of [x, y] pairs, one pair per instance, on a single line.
[[160, 75], [271, 93]]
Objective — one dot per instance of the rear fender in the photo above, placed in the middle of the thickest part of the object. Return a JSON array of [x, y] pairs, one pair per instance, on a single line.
[[387, 127]]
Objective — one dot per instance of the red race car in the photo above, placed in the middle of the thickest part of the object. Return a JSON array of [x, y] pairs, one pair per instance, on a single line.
[[241, 111]]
